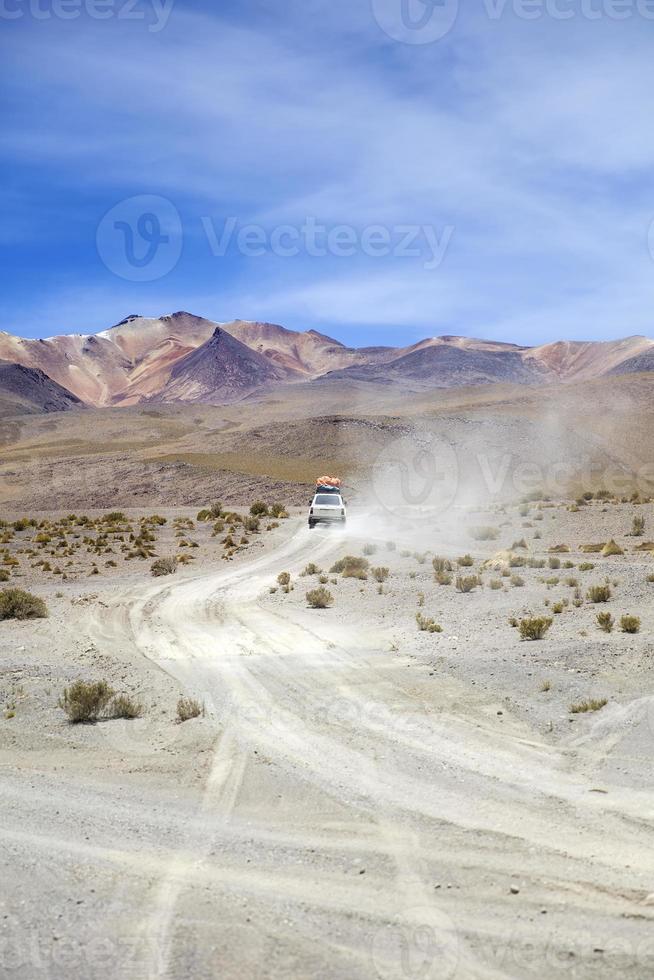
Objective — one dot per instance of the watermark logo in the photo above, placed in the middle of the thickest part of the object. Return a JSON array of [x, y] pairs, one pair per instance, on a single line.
[[416, 21], [420, 944], [140, 239], [416, 477]]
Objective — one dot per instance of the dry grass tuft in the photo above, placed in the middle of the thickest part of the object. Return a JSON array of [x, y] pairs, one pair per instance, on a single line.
[[18, 604], [188, 708], [630, 624], [164, 566], [535, 627], [582, 707], [427, 625], [320, 598]]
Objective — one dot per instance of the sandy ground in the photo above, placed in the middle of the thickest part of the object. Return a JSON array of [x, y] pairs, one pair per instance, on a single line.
[[361, 799]]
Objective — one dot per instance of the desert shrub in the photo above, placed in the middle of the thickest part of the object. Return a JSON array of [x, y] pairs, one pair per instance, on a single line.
[[521, 543], [359, 573], [311, 569], [323, 579], [188, 708], [630, 624], [18, 604], [650, 578], [420, 557], [536, 563], [369, 549], [559, 549], [427, 625], [4, 575], [380, 574], [23, 523], [203, 515], [611, 548], [259, 509], [517, 561], [599, 593], [465, 561], [278, 510], [84, 701], [350, 562], [484, 533], [517, 581], [467, 583], [586, 566], [546, 686], [534, 627], [441, 564], [163, 566], [584, 706], [284, 578], [605, 621], [114, 517], [251, 524], [557, 608], [572, 582], [320, 598], [554, 562], [495, 584], [443, 578], [123, 706], [638, 526]]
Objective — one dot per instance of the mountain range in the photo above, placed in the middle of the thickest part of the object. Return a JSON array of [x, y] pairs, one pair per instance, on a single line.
[[185, 358]]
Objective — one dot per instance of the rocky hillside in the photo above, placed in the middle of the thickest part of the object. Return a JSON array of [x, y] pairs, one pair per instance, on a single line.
[[29, 391], [182, 357]]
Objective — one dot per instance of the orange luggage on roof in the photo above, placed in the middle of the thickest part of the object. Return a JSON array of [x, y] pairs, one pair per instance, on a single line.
[[328, 481]]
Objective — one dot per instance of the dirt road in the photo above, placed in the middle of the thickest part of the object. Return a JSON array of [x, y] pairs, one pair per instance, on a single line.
[[354, 822]]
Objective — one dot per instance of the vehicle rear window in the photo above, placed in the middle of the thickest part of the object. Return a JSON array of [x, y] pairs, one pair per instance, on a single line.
[[328, 498]]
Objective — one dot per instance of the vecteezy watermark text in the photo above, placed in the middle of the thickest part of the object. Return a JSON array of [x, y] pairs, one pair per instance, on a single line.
[[140, 239], [318, 240], [570, 9], [154, 13]]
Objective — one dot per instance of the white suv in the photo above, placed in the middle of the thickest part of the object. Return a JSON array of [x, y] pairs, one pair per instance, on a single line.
[[327, 507]]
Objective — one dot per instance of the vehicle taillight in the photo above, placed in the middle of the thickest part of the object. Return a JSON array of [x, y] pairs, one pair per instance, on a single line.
[[343, 511], [311, 510]]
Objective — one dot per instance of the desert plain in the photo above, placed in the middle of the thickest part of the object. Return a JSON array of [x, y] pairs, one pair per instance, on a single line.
[[400, 783]]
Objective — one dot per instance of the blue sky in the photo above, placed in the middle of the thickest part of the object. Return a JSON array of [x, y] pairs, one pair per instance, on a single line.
[[485, 173]]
